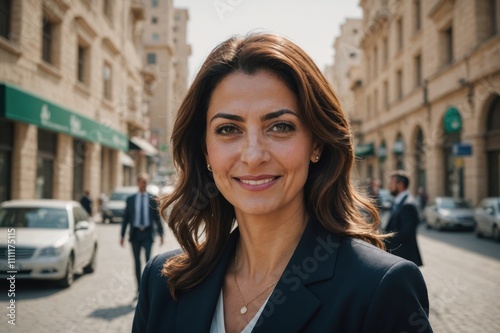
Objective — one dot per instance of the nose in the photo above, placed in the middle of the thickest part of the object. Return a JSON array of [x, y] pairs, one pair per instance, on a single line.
[[254, 150]]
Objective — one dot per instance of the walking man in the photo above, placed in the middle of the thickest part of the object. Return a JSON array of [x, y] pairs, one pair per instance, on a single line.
[[141, 215], [86, 202], [403, 221]]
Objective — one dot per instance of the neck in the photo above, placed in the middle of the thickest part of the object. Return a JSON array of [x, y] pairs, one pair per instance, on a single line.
[[267, 243]]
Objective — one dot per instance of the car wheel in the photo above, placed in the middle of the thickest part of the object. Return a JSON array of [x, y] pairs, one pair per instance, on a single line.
[[68, 279], [496, 233], [439, 225], [90, 268], [428, 225]]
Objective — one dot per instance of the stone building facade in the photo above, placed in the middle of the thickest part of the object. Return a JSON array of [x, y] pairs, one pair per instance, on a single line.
[[166, 54], [428, 95], [72, 96]]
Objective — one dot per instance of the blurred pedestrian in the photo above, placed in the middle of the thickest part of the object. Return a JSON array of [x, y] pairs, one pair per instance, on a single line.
[[374, 194], [404, 220], [422, 197], [270, 226], [86, 202], [142, 217]]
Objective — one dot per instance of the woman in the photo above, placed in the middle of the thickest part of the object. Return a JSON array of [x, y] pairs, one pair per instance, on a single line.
[[261, 142]]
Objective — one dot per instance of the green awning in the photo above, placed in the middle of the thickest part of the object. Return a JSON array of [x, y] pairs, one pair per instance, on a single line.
[[364, 150], [19, 105]]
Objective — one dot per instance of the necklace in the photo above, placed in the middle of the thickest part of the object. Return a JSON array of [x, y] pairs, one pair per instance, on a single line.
[[244, 308]]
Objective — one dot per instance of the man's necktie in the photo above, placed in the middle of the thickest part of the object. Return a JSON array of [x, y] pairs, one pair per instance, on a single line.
[[141, 217]]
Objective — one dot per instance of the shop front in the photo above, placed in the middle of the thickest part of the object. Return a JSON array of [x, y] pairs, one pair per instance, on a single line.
[[62, 139]]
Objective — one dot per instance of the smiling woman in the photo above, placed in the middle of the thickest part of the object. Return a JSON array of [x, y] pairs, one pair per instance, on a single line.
[[272, 233]]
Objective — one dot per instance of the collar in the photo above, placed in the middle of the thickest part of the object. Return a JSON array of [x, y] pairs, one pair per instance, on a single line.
[[400, 197], [312, 261]]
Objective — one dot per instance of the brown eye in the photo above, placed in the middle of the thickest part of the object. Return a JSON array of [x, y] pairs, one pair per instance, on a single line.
[[283, 127], [226, 130]]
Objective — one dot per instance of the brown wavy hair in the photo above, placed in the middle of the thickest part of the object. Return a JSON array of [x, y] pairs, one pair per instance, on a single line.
[[201, 218]]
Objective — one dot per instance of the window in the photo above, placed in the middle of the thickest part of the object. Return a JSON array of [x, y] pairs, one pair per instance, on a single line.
[[108, 9], [418, 70], [386, 50], [154, 20], [417, 10], [154, 3], [82, 66], [399, 84], [151, 58], [399, 27], [447, 45], [368, 106], [47, 40], [375, 101], [494, 12], [386, 94], [375, 62], [46, 155], [131, 99], [6, 152], [5, 15], [107, 81], [155, 36], [79, 156]]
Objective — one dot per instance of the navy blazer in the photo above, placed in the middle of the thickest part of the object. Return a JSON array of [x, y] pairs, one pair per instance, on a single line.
[[331, 284], [404, 221], [128, 217]]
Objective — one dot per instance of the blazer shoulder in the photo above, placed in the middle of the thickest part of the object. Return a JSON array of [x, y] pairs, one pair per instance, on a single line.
[[369, 256]]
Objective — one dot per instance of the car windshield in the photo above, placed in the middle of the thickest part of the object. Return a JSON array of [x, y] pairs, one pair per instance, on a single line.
[[120, 196], [33, 217], [451, 204]]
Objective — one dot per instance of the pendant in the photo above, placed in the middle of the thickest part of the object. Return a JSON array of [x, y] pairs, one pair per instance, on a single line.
[[244, 309]]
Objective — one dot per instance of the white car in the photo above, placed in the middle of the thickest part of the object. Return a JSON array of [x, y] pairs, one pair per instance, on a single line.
[[487, 216], [46, 239], [447, 212]]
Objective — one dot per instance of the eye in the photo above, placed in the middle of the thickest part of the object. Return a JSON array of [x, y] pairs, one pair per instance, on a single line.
[[283, 127], [226, 130]]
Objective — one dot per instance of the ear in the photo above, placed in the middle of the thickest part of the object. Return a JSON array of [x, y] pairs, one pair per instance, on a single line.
[[317, 151]]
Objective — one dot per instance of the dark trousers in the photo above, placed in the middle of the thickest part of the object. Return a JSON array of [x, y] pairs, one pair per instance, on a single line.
[[142, 239]]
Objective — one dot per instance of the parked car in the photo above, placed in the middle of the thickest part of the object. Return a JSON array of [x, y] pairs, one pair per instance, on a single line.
[[487, 215], [46, 239], [115, 207], [448, 212], [386, 199]]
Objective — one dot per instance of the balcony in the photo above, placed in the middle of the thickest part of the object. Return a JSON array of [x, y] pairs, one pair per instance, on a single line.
[[138, 9]]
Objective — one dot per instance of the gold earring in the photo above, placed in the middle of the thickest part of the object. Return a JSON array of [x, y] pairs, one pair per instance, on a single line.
[[209, 167]]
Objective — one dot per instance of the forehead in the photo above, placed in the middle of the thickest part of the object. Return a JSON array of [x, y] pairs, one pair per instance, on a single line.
[[261, 90]]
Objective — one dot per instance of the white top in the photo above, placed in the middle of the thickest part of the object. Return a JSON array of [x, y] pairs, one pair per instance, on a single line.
[[218, 319]]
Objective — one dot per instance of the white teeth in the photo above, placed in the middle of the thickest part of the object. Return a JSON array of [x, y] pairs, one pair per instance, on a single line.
[[256, 182]]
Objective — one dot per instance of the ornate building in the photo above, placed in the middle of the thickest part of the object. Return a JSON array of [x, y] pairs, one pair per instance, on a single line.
[[72, 97], [428, 94]]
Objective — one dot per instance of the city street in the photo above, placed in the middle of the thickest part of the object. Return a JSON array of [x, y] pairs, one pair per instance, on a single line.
[[462, 274]]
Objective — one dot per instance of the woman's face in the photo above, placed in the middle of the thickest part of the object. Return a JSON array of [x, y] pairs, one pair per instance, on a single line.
[[258, 146]]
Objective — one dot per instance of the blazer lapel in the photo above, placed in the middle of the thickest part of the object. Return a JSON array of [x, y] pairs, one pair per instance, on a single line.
[[196, 307], [291, 304]]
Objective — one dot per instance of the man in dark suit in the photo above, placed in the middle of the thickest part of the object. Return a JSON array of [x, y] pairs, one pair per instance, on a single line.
[[141, 214], [403, 221], [86, 202]]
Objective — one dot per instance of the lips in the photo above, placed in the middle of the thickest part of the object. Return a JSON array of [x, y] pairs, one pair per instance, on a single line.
[[257, 182]]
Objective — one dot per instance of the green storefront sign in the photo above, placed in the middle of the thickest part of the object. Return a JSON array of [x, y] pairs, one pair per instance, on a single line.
[[18, 105], [364, 150], [452, 120]]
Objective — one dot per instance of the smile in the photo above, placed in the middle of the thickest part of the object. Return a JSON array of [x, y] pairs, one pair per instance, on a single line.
[[256, 182]]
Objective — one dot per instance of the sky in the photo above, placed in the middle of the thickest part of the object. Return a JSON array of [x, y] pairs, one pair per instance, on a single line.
[[311, 24]]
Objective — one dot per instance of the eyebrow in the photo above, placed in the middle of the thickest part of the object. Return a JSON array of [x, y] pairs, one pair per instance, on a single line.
[[266, 117]]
